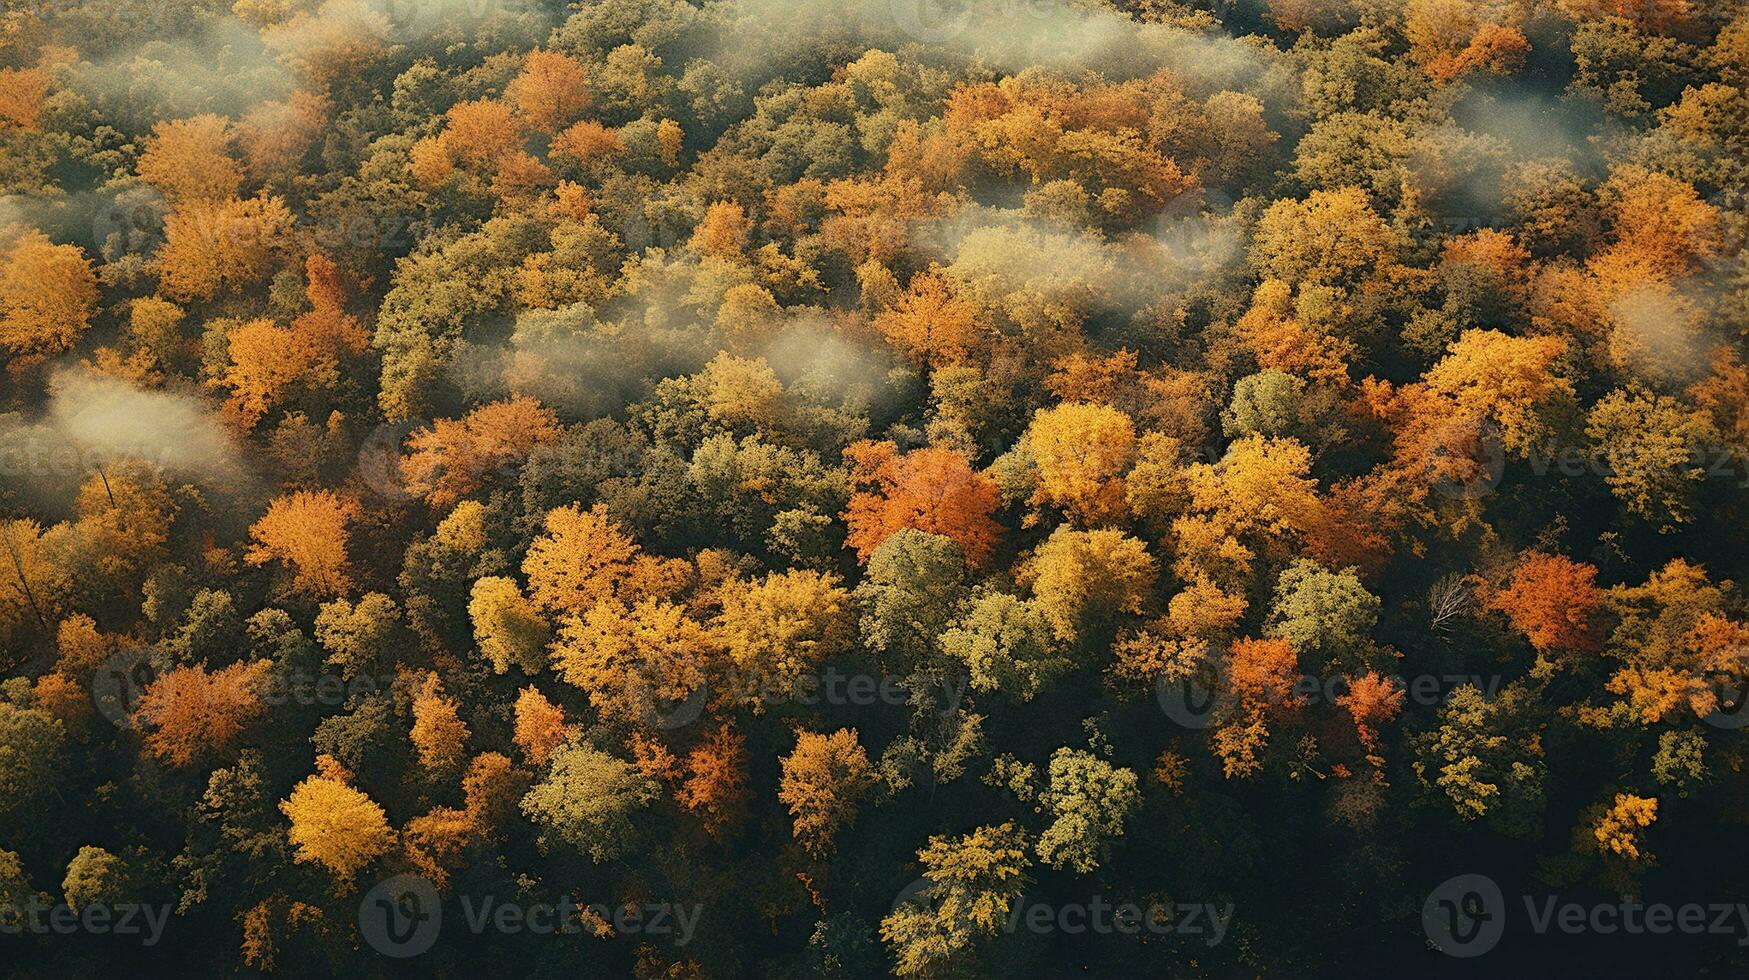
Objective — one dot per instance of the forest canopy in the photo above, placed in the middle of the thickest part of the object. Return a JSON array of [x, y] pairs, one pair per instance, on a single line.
[[787, 489]]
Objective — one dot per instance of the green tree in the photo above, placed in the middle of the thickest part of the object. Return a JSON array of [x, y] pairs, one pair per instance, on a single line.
[[591, 801], [1088, 800]]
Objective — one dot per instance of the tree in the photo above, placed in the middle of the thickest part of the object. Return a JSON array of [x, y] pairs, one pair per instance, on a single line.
[[226, 245], [1617, 831], [31, 743], [267, 365], [1655, 449], [931, 489], [587, 142], [824, 779], [930, 325], [308, 531], [1326, 613], [16, 893], [1372, 700], [22, 91], [584, 558], [551, 91], [973, 882], [1676, 646], [1088, 800], [30, 584], [1484, 759], [1332, 238], [48, 294], [540, 726], [591, 800], [361, 637], [1486, 379], [1552, 600], [194, 713], [454, 458], [1259, 496], [1268, 403], [716, 779], [188, 160], [779, 628], [1007, 645], [1452, 38], [1081, 453], [634, 659], [95, 877], [508, 629], [1259, 687], [336, 826], [439, 734], [909, 594], [723, 233], [1083, 580]]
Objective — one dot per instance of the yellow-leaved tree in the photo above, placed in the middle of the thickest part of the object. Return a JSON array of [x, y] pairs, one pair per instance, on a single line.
[[335, 825]]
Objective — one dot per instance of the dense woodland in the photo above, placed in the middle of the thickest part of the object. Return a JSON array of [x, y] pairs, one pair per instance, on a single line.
[[858, 471]]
